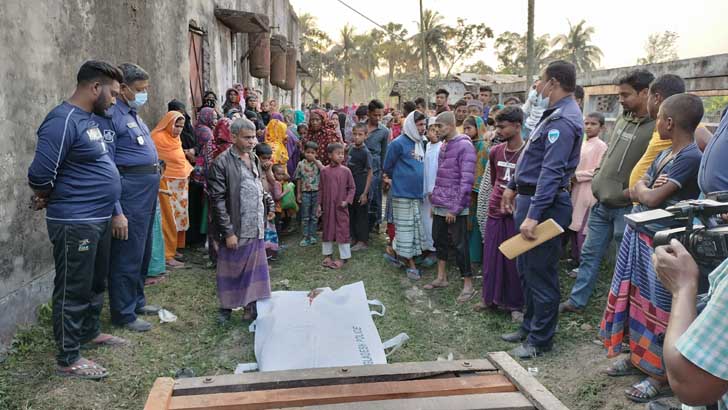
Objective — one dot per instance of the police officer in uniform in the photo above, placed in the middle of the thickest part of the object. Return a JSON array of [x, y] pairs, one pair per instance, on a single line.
[[73, 177], [136, 159], [541, 184]]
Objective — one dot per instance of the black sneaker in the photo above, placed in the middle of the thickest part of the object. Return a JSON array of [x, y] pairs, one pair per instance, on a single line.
[[529, 351], [148, 310], [223, 316], [139, 325], [516, 337]]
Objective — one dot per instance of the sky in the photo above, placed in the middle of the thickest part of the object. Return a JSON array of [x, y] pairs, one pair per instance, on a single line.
[[621, 26]]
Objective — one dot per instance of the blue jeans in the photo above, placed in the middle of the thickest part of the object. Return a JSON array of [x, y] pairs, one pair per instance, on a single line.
[[603, 225], [309, 203]]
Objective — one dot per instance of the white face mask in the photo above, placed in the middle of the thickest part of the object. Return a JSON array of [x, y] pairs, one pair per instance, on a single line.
[[532, 95], [542, 101]]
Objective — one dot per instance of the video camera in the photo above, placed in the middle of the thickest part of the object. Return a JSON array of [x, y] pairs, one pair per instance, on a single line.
[[707, 242]]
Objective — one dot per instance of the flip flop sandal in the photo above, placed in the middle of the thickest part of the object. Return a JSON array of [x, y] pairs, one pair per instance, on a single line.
[[393, 260], [466, 296], [336, 265], [110, 341], [622, 367], [645, 392], [435, 284], [482, 308], [87, 370], [326, 263]]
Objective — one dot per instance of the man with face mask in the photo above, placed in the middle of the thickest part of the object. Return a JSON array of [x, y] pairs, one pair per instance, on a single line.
[[73, 177], [534, 107], [542, 176], [610, 186], [136, 159]]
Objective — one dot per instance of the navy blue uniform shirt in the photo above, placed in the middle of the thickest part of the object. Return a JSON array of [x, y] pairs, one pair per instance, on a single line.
[[72, 161], [713, 175], [133, 145], [551, 155]]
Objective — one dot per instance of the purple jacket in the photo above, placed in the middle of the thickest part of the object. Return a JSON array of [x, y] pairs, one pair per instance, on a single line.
[[455, 175]]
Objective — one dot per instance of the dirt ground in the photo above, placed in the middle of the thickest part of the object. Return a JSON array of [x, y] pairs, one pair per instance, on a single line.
[[196, 344]]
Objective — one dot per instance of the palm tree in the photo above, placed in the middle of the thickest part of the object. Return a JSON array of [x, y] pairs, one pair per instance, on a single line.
[[576, 48], [393, 48], [344, 50], [366, 58], [436, 36]]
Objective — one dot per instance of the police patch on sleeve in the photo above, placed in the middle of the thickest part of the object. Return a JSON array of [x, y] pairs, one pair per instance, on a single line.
[[109, 136], [553, 135]]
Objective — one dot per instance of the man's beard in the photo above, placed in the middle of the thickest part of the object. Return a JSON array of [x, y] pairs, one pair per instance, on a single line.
[[100, 106]]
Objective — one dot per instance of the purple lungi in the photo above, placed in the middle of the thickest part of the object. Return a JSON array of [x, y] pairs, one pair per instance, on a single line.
[[501, 282], [242, 274]]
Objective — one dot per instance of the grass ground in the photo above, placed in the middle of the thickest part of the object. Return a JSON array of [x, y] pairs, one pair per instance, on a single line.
[[436, 324]]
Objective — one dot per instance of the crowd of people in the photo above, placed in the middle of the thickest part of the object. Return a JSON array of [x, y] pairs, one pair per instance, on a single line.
[[123, 202]]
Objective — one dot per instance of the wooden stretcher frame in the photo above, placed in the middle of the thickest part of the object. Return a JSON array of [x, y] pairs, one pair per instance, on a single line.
[[495, 383]]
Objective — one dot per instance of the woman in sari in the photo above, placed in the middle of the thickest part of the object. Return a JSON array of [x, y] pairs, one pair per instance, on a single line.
[[293, 141], [276, 135], [166, 136], [322, 132]]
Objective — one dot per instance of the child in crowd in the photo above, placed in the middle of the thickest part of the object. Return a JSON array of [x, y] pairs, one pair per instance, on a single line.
[[307, 186], [582, 199], [286, 207], [451, 204], [431, 155], [501, 283], [360, 165], [271, 196], [474, 127], [336, 193], [302, 130]]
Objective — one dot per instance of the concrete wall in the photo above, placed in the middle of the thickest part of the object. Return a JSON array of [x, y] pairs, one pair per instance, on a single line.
[[43, 43]]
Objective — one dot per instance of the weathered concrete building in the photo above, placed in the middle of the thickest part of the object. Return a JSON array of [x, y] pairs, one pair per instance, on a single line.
[[186, 46]]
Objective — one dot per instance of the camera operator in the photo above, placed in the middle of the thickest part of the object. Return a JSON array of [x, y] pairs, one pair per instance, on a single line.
[[695, 350]]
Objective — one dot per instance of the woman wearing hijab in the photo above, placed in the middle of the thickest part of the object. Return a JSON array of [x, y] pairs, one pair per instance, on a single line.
[[206, 121], [293, 141], [474, 127], [232, 100], [276, 136], [188, 135], [322, 132], [334, 119], [404, 164], [166, 136]]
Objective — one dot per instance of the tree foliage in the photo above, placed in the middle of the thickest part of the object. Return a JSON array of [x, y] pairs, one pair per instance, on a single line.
[[466, 40], [575, 47], [512, 54], [660, 47]]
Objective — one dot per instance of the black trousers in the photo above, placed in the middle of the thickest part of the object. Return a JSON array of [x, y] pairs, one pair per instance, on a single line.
[[359, 221], [453, 235], [197, 199], [81, 253]]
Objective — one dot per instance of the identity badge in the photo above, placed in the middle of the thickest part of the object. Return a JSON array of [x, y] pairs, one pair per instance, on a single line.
[[83, 245], [140, 140], [553, 135], [94, 134], [131, 125]]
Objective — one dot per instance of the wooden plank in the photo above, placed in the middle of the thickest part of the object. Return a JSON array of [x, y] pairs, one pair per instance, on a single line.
[[160, 394], [527, 384], [346, 393], [490, 401], [328, 376]]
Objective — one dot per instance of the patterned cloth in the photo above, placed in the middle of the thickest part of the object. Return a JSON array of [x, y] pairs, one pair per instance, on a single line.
[[271, 237], [242, 274], [178, 200], [705, 343], [408, 227], [638, 305], [203, 134], [308, 175]]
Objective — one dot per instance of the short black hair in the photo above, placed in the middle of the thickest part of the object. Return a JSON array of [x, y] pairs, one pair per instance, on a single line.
[[315, 100], [469, 92], [685, 109], [579, 92], [420, 102], [418, 116], [277, 166], [510, 113], [667, 85], [460, 103], [334, 146], [361, 111], [442, 91], [310, 145], [359, 126], [597, 116], [512, 98], [375, 105], [408, 107], [133, 73], [638, 79], [301, 125], [98, 70], [328, 106], [263, 149], [484, 88], [564, 72]]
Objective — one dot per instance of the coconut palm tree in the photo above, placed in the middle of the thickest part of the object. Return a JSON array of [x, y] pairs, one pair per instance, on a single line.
[[365, 59], [436, 35], [393, 48], [344, 50], [576, 48]]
